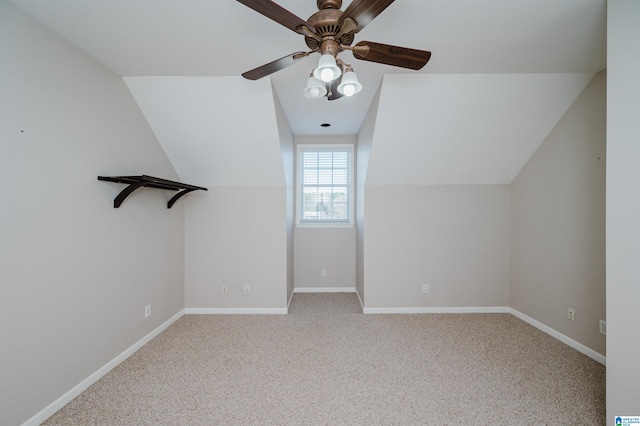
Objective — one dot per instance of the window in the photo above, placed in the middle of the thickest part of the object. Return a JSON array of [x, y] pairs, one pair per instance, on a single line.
[[325, 185]]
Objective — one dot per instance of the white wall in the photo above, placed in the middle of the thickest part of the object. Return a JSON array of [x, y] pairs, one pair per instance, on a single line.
[[365, 138], [76, 273], [454, 238], [558, 223], [333, 249], [288, 161], [623, 208], [241, 234], [236, 236]]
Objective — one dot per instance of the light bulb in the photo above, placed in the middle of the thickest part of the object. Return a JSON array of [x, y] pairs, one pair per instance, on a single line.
[[326, 75], [349, 90], [314, 92]]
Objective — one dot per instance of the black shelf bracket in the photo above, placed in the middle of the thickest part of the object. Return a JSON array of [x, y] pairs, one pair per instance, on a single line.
[[136, 182]]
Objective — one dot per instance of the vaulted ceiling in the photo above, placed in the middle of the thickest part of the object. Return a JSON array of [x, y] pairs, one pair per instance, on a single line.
[[501, 75]]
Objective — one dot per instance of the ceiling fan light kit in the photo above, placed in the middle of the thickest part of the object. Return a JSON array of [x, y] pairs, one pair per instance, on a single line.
[[328, 32]]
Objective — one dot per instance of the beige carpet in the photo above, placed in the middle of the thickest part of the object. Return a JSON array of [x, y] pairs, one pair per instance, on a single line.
[[327, 364]]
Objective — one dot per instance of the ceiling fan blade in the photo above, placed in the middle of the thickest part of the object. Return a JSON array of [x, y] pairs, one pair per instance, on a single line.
[[364, 11], [332, 89], [274, 66], [279, 14], [392, 55]]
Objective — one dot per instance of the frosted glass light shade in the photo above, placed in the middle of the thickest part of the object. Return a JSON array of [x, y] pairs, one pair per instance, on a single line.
[[349, 85], [327, 69], [315, 88]]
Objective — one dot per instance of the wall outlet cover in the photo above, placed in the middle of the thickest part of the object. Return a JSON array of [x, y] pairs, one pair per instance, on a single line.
[[603, 327]]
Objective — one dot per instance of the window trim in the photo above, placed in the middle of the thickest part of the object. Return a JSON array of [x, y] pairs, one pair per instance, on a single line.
[[301, 148]]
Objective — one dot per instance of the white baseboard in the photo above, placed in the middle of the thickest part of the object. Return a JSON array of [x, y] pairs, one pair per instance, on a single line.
[[56, 405], [236, 311], [564, 339], [324, 290], [439, 310]]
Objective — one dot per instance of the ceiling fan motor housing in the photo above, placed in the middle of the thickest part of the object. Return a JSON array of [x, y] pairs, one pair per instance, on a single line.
[[325, 21]]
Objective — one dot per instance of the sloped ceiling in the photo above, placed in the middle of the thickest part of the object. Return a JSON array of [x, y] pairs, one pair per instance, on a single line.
[[472, 42], [465, 129], [220, 131]]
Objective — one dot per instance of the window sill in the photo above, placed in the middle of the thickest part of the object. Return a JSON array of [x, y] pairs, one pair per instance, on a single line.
[[324, 225]]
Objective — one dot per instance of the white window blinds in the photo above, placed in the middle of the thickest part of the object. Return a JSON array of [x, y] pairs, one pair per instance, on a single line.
[[325, 184]]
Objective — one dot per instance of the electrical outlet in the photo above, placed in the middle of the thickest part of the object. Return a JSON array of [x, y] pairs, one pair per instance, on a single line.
[[571, 313], [425, 288], [247, 289], [603, 327], [225, 289], [147, 311], [323, 272]]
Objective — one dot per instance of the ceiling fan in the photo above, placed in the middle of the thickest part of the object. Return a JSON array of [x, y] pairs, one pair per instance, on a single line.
[[330, 31]]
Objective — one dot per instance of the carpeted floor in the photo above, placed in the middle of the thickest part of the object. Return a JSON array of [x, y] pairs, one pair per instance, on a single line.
[[328, 364]]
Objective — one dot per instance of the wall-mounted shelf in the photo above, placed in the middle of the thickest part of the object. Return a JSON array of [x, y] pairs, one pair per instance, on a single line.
[[136, 182]]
